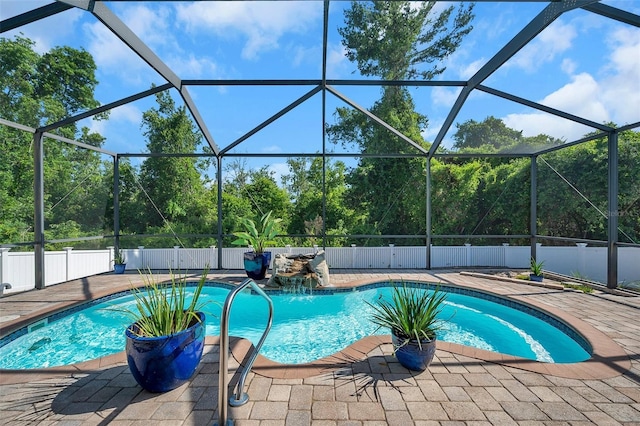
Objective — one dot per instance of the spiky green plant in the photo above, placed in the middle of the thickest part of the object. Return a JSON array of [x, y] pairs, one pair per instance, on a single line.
[[161, 309], [536, 267], [412, 313], [257, 238], [118, 257]]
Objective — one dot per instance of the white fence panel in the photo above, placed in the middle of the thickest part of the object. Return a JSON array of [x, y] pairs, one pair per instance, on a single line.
[[84, 263], [629, 265], [197, 258], [19, 271], [487, 256], [341, 257], [55, 267], [158, 258], [17, 268], [448, 257], [410, 257]]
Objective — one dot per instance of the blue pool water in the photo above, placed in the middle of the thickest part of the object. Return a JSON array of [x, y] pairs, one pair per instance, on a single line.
[[306, 327]]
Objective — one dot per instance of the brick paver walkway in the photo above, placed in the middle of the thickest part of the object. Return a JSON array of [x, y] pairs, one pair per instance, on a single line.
[[373, 390]]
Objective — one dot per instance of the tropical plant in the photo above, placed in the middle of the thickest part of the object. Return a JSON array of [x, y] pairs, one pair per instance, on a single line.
[[536, 267], [119, 257], [257, 238], [161, 309], [412, 313]]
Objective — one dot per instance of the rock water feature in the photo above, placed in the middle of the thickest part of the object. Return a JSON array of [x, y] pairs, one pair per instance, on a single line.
[[300, 273]]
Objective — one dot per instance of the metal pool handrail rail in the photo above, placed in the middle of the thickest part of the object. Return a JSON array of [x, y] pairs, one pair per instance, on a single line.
[[240, 397]]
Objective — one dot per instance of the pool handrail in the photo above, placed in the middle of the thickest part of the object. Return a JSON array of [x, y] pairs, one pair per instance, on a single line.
[[240, 397]]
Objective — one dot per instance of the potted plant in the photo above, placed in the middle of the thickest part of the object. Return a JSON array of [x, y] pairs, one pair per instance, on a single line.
[[536, 270], [412, 317], [164, 343], [257, 237], [119, 261]]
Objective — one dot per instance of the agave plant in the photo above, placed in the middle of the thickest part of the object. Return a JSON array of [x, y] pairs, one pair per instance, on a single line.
[[161, 309], [412, 313], [258, 238]]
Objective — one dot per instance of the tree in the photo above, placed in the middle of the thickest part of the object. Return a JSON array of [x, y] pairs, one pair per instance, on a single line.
[[305, 183], [492, 136], [394, 41], [38, 90], [173, 188]]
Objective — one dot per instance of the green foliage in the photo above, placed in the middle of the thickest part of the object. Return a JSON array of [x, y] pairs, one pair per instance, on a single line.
[[119, 257], [581, 287], [258, 238], [536, 267], [39, 89], [412, 314], [161, 310], [396, 39]]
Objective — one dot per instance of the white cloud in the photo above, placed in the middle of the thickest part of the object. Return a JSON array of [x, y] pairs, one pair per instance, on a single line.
[[193, 67], [279, 170], [445, 96], [261, 23], [613, 95], [554, 40], [568, 66], [55, 30], [127, 115], [621, 84], [112, 56], [337, 62]]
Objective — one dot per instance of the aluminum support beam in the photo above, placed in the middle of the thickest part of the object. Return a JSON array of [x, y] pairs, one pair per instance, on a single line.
[[612, 223], [271, 119], [129, 38], [428, 211], [545, 108], [116, 201], [107, 107], [33, 16], [219, 238], [376, 119], [533, 28], [38, 201], [614, 13], [533, 215]]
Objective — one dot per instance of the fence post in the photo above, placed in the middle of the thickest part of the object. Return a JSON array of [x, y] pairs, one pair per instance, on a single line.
[[581, 261], [176, 257], [506, 261], [213, 257], [392, 254], [468, 254], [141, 257], [67, 262], [288, 247], [4, 265], [353, 255]]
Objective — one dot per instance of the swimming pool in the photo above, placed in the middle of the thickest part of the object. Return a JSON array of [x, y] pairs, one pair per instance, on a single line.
[[306, 327]]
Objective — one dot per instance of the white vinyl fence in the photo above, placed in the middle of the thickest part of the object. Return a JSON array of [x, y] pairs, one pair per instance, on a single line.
[[17, 268]]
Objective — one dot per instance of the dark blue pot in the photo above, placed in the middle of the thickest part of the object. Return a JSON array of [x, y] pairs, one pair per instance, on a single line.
[[119, 268], [256, 265], [160, 364], [536, 278], [413, 356]]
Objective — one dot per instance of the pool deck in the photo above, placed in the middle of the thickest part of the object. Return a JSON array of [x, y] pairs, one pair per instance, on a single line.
[[363, 385]]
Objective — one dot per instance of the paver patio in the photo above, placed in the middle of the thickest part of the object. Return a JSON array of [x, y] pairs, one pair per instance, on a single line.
[[460, 387]]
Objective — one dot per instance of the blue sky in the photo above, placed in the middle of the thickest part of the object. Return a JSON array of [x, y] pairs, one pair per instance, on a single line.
[[583, 63]]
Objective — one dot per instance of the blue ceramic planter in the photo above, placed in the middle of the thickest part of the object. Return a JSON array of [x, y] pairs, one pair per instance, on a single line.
[[256, 265], [119, 268], [160, 364], [411, 356]]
